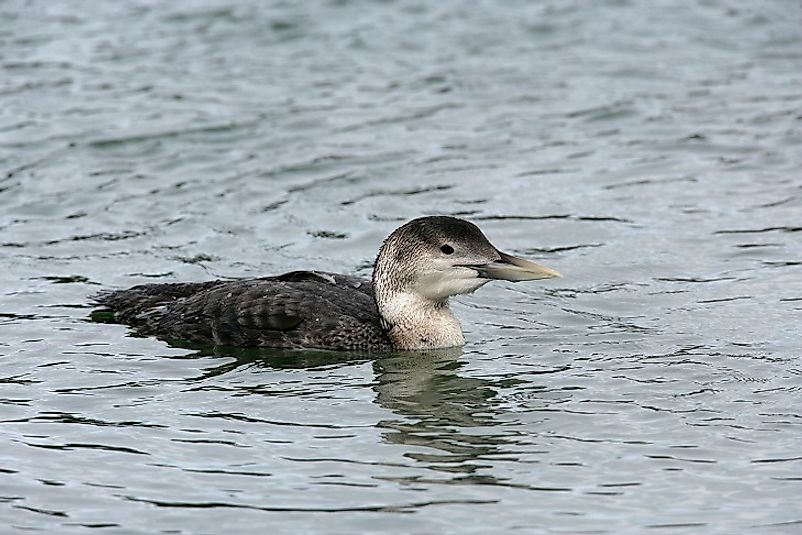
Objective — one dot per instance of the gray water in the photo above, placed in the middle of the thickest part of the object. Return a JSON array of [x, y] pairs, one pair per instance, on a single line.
[[650, 151]]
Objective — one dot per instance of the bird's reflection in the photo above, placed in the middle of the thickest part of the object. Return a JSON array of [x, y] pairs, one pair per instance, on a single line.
[[446, 417], [436, 407]]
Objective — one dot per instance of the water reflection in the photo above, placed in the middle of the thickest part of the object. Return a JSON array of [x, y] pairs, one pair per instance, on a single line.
[[436, 406], [437, 410], [269, 358]]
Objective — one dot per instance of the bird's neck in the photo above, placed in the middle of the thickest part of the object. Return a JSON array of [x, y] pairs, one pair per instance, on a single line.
[[414, 322]]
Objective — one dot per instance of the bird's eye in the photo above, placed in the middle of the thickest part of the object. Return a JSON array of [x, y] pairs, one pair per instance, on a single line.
[[447, 249]]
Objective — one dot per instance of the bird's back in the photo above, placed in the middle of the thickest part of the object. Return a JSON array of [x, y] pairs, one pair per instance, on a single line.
[[295, 310]]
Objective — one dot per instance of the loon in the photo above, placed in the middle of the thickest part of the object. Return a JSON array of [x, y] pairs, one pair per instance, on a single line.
[[404, 307]]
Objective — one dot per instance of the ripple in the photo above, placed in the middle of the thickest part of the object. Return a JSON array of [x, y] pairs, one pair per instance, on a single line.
[[233, 139], [394, 508], [73, 446]]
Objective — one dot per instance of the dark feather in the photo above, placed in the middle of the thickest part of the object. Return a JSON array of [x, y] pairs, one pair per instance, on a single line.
[[293, 310]]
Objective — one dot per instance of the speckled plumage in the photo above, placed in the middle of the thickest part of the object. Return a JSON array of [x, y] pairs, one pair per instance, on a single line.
[[293, 310]]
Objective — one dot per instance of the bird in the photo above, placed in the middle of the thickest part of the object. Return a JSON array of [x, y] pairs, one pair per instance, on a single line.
[[404, 307]]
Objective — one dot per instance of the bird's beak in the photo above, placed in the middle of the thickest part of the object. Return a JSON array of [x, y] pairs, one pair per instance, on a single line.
[[514, 269]]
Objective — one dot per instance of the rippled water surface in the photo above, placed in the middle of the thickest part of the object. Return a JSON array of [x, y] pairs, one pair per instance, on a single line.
[[651, 151]]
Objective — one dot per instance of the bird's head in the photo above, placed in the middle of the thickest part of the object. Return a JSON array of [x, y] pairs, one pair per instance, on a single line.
[[437, 257]]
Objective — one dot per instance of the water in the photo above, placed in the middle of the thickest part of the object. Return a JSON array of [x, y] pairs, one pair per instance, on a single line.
[[650, 151]]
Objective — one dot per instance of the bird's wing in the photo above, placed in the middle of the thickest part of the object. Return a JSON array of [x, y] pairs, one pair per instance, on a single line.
[[364, 286], [299, 309]]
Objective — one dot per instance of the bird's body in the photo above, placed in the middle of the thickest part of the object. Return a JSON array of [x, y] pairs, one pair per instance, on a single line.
[[405, 306], [338, 312]]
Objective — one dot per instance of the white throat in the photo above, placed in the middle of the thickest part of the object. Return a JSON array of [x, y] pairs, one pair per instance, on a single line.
[[416, 322]]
